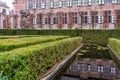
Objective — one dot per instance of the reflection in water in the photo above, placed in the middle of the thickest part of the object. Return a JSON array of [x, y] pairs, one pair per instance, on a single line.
[[92, 62]]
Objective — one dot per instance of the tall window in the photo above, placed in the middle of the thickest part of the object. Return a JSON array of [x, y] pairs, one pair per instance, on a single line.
[[51, 5], [100, 19], [113, 70], [89, 67], [42, 5], [51, 20], [78, 66], [100, 68], [101, 2], [108, 2], [43, 20], [69, 3], [39, 3], [48, 4], [113, 19], [34, 21], [89, 2], [114, 1], [85, 19], [60, 4], [89, 19], [79, 3], [65, 18], [34, 6], [79, 20]]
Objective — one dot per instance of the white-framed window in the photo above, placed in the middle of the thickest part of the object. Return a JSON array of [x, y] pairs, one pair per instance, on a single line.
[[69, 3], [89, 19], [89, 2], [101, 2], [79, 3], [42, 5], [113, 19], [114, 1], [51, 20], [100, 19], [43, 20], [27, 6], [60, 4], [89, 67], [34, 6], [102, 69], [78, 66], [113, 70], [98, 68], [79, 20], [34, 21], [68, 19], [51, 5]]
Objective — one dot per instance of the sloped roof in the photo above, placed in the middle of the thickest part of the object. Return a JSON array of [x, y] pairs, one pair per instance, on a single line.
[[3, 4]]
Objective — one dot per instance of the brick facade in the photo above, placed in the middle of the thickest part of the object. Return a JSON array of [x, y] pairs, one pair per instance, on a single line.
[[68, 14], [4, 16]]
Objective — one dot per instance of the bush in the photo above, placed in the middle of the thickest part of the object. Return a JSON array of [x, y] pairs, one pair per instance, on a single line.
[[9, 44], [115, 45], [89, 36], [31, 62]]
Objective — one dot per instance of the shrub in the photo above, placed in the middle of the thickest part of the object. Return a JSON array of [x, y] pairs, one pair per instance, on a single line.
[[9, 44], [115, 45], [31, 62]]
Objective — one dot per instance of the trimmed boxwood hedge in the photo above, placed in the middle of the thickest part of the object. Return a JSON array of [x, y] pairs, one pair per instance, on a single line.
[[115, 45], [31, 62], [89, 36], [10, 44]]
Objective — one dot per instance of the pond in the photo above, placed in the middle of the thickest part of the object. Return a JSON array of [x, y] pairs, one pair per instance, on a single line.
[[92, 62]]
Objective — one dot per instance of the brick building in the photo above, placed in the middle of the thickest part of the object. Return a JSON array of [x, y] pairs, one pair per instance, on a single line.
[[68, 14], [4, 15]]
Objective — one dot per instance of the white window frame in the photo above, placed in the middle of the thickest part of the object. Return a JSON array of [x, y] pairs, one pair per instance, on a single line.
[[51, 5], [89, 19], [27, 6], [79, 2], [100, 19], [60, 4], [68, 19], [35, 21], [113, 18], [51, 20], [42, 5], [69, 3], [113, 70], [43, 21], [101, 2], [89, 2], [79, 20], [102, 69], [78, 66], [89, 67], [114, 1], [34, 6]]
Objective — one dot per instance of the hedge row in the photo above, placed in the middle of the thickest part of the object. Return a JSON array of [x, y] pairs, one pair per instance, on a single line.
[[9, 44], [31, 62], [115, 45], [89, 36], [18, 36]]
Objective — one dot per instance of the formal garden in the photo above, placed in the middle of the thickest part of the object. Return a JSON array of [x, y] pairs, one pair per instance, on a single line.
[[28, 54]]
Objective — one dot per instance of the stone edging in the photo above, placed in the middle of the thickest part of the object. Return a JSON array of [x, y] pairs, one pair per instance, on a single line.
[[53, 73]]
